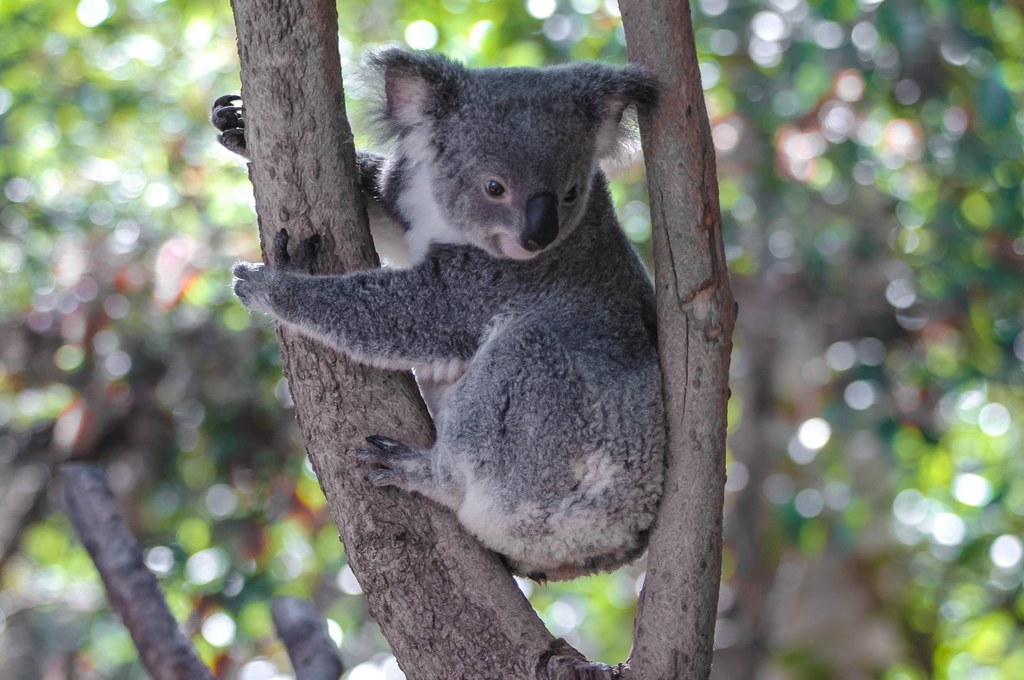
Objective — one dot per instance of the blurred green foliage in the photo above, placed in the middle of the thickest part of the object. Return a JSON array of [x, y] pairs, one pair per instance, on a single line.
[[871, 183]]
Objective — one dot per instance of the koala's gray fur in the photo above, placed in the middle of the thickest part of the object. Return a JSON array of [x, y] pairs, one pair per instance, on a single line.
[[527, 317]]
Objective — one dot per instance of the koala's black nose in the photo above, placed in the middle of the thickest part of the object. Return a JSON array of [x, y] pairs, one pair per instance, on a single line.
[[541, 222]]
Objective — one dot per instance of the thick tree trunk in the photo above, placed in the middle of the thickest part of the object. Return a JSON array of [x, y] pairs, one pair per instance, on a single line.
[[448, 607], [696, 314]]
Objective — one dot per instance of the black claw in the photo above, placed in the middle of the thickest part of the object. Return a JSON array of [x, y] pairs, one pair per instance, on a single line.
[[372, 456], [386, 443], [227, 118], [226, 99], [381, 477], [234, 137], [303, 258], [384, 451], [280, 249], [234, 141], [224, 114]]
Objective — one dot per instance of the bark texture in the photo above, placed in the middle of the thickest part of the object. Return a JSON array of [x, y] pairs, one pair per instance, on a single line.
[[131, 587], [696, 314], [448, 607], [300, 626]]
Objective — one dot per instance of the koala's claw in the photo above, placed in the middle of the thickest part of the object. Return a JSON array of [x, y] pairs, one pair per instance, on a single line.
[[226, 99], [383, 477], [301, 259], [230, 120], [234, 141], [383, 451], [390, 445], [225, 115], [279, 253]]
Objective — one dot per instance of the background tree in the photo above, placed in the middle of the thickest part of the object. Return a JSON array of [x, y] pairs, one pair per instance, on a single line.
[[871, 191]]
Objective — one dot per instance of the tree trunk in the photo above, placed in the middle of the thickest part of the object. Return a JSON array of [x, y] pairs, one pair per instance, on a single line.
[[448, 607], [696, 314]]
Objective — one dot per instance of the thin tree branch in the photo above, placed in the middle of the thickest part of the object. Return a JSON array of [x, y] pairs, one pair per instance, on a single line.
[[24, 498], [131, 587], [301, 628], [447, 606], [696, 314]]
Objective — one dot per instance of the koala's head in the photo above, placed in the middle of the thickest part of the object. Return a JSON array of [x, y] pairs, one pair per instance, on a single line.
[[510, 153]]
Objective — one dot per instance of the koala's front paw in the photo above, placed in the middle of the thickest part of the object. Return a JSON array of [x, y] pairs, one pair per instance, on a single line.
[[252, 284], [227, 117]]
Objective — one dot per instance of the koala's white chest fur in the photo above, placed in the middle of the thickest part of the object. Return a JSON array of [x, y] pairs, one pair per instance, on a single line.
[[427, 224], [436, 380]]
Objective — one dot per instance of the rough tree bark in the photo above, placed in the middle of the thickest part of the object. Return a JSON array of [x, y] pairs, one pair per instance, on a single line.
[[696, 314], [449, 608]]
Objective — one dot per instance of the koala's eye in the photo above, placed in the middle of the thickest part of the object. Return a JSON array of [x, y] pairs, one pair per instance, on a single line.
[[494, 188], [570, 196]]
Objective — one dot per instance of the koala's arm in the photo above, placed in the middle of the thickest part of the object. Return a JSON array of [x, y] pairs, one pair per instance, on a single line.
[[394, 318]]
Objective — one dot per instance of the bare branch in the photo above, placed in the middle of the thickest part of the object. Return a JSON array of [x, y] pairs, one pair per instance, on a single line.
[[301, 628], [24, 495], [131, 587], [696, 314]]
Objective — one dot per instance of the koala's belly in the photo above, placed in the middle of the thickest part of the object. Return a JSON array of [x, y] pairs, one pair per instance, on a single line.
[[557, 538]]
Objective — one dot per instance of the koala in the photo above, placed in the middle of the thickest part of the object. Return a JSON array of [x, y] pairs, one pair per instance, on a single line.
[[524, 312]]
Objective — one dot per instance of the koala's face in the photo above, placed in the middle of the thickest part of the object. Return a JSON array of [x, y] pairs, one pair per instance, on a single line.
[[513, 164], [509, 154]]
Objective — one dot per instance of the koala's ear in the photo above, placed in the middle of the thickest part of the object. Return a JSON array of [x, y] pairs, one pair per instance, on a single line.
[[633, 85], [416, 86], [615, 94]]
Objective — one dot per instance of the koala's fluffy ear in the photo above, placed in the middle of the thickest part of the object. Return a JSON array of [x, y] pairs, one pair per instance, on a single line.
[[415, 87], [612, 96]]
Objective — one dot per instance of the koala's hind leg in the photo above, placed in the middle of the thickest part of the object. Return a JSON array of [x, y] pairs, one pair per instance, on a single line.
[[396, 464]]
